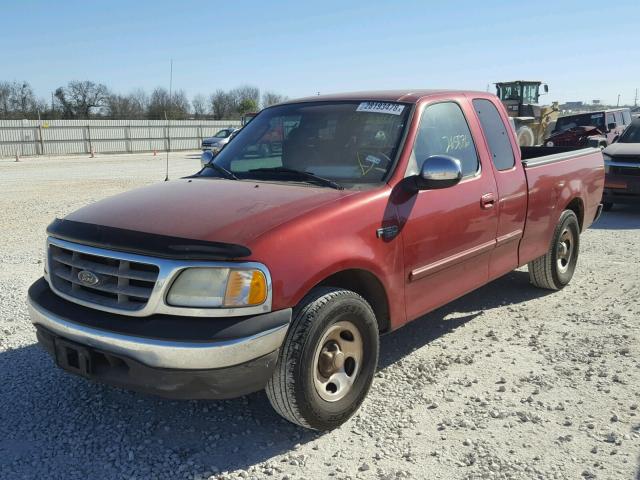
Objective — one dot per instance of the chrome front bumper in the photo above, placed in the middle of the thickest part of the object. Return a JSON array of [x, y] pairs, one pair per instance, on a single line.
[[163, 353]]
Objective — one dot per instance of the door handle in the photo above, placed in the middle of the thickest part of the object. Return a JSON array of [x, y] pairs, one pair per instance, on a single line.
[[487, 200]]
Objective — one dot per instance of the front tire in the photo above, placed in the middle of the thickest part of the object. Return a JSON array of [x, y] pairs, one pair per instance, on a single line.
[[326, 365], [555, 269]]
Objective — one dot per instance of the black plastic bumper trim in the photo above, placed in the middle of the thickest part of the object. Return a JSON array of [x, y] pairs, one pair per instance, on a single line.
[[124, 372]]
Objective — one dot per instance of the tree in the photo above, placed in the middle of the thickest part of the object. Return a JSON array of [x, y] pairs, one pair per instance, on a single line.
[[246, 93], [200, 107], [175, 108], [79, 99], [17, 100], [223, 105], [272, 98], [5, 100], [130, 107], [247, 105]]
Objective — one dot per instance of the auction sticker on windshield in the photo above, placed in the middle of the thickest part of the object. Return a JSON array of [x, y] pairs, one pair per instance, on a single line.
[[380, 107]]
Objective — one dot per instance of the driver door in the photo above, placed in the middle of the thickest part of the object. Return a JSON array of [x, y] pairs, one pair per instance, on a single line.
[[449, 233]]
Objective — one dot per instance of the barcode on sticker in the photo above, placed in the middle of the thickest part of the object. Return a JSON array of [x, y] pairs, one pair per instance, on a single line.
[[380, 107]]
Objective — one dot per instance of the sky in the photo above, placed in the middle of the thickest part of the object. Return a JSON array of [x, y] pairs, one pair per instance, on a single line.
[[583, 50]]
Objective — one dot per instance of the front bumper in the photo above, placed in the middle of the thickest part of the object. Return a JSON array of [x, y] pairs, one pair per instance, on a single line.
[[172, 356], [622, 189]]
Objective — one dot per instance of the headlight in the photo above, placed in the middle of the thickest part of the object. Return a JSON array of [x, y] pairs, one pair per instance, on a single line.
[[218, 287], [607, 159], [549, 143]]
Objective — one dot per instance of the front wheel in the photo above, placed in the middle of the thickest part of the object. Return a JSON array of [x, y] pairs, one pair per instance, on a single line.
[[555, 269], [328, 360]]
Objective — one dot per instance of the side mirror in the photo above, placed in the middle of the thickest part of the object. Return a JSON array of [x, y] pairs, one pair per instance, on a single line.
[[611, 126], [546, 88], [439, 171], [207, 157]]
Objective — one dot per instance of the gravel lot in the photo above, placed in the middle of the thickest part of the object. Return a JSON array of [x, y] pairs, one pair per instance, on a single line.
[[509, 382]]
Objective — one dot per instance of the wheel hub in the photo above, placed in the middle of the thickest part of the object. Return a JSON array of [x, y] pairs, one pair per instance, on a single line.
[[331, 359], [337, 361], [564, 250]]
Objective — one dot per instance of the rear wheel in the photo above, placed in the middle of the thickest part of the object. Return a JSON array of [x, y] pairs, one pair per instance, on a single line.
[[526, 138], [555, 269], [328, 360]]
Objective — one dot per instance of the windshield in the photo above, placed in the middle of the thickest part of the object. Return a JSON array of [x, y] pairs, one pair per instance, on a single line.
[[350, 143], [585, 120], [631, 134], [222, 133]]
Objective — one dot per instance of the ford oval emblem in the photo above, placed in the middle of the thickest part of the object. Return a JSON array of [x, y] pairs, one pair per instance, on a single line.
[[88, 278]]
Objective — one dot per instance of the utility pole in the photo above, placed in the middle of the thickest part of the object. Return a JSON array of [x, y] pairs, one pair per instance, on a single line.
[[635, 100], [618, 104], [166, 178]]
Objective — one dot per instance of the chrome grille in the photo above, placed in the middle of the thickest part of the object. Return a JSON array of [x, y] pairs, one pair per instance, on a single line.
[[121, 284]]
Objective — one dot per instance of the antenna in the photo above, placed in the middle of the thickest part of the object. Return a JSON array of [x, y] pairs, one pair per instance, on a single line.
[[166, 178]]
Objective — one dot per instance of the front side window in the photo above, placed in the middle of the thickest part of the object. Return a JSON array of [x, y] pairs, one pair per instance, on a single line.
[[610, 119], [444, 131], [496, 134], [626, 115], [619, 121], [349, 143]]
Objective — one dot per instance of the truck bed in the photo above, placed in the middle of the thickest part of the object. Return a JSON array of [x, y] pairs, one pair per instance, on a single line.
[[555, 175]]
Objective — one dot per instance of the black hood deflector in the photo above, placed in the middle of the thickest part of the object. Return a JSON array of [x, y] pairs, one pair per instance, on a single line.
[[143, 243]]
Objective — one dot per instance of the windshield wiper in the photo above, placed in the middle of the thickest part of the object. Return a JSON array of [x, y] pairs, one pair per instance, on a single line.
[[300, 174], [220, 169]]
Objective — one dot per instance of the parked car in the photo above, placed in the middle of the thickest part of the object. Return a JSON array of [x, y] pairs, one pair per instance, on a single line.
[[595, 129], [280, 272], [209, 154], [219, 140], [622, 168]]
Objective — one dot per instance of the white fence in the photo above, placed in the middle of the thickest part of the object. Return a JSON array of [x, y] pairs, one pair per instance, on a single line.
[[59, 137]]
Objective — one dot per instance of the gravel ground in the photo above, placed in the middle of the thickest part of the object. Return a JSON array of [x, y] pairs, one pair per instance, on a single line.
[[509, 382]]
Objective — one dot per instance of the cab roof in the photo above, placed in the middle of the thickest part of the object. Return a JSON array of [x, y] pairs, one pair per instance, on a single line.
[[405, 96]]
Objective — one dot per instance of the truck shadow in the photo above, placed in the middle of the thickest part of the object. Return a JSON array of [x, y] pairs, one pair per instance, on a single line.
[[622, 217], [511, 289], [48, 417]]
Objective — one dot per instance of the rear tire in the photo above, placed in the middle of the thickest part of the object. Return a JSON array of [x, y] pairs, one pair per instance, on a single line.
[[328, 360], [526, 138], [555, 269]]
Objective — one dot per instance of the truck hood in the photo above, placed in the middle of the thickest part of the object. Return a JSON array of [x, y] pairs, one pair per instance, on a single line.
[[623, 150], [213, 210], [216, 140]]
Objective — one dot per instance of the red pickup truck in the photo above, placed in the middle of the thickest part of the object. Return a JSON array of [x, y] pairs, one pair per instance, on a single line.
[[280, 272]]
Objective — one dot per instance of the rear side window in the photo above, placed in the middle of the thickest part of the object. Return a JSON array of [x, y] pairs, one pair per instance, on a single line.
[[496, 134], [444, 131], [610, 119]]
